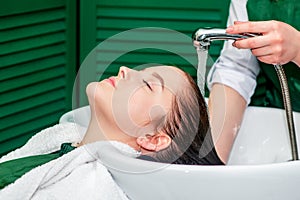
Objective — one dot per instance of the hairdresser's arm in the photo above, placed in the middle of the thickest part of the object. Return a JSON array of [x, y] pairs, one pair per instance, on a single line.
[[232, 81], [226, 108], [279, 42]]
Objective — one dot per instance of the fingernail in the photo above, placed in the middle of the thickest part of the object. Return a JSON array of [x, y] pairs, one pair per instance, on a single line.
[[229, 29]]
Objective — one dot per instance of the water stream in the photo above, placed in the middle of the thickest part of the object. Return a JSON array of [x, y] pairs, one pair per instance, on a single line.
[[201, 71]]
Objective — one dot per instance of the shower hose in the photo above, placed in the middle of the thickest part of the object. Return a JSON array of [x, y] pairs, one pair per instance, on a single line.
[[288, 110]]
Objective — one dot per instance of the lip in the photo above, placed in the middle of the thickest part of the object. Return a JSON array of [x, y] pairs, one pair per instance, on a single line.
[[112, 81]]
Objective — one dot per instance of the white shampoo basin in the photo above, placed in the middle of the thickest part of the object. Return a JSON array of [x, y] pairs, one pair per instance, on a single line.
[[258, 167]]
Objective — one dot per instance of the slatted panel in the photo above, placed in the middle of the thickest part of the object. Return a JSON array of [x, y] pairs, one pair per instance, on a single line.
[[114, 16], [35, 69], [183, 16]]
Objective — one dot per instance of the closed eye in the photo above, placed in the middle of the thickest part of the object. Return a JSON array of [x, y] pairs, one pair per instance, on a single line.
[[148, 85]]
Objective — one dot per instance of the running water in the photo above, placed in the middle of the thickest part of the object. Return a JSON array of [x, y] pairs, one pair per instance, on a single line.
[[201, 71]]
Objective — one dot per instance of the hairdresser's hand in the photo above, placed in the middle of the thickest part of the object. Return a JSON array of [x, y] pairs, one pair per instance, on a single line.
[[279, 42]]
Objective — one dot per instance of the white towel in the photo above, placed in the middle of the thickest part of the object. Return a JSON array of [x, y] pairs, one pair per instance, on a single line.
[[48, 140], [76, 175]]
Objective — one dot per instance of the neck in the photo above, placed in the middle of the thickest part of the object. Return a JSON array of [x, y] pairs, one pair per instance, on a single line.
[[96, 132], [93, 133]]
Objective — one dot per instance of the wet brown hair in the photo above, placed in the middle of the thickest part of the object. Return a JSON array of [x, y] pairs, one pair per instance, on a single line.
[[187, 123]]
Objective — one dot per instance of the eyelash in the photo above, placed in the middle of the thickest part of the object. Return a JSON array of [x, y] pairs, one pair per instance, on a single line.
[[147, 84]]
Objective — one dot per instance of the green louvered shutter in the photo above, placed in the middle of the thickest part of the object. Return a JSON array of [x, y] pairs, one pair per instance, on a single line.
[[110, 17], [37, 66]]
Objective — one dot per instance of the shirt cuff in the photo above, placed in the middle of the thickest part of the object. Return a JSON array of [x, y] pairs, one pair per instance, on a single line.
[[244, 85]]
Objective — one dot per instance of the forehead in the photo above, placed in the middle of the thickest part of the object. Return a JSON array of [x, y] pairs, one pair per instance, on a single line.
[[173, 77], [167, 72]]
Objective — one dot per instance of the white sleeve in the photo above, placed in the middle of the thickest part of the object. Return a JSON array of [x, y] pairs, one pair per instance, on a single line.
[[236, 68]]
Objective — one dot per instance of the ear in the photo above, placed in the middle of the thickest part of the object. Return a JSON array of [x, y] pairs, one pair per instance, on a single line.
[[156, 142]]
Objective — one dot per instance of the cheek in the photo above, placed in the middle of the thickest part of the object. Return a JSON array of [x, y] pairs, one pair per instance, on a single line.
[[139, 108], [144, 108], [130, 110]]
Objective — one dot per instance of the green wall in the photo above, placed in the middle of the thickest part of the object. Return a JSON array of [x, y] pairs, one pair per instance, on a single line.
[[42, 44], [37, 66]]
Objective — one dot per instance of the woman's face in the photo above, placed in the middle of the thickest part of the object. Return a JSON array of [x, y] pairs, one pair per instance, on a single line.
[[134, 102]]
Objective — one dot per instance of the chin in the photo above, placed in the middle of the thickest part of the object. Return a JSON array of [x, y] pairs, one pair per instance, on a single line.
[[98, 95], [90, 89], [94, 92]]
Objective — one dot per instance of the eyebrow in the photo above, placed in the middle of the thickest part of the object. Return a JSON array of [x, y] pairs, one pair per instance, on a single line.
[[161, 80]]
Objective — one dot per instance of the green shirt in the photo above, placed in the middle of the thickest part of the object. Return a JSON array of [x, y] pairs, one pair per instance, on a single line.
[[11, 170]]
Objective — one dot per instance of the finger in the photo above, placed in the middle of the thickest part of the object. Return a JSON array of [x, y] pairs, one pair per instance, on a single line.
[[262, 51], [252, 43], [269, 59], [250, 27]]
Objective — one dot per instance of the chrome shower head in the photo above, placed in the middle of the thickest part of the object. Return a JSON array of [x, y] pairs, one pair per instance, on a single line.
[[204, 36]]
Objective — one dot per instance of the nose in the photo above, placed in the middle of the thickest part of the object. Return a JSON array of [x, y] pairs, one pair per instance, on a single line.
[[123, 72]]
